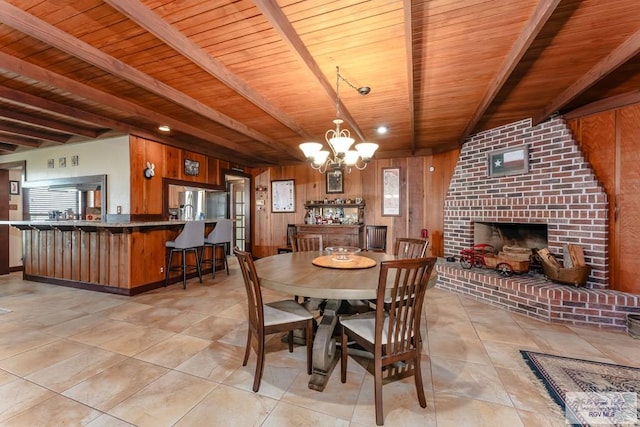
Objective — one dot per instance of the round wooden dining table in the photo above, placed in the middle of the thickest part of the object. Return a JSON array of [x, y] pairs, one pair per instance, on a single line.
[[295, 273]]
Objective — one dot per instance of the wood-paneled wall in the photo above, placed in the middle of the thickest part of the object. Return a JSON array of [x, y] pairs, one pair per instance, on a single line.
[[424, 184], [146, 194], [610, 141]]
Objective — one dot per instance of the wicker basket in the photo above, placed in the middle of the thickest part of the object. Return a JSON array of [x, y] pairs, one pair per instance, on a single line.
[[573, 276], [633, 325]]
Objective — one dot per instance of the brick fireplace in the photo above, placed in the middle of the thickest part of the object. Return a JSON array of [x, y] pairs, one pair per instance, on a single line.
[[560, 191]]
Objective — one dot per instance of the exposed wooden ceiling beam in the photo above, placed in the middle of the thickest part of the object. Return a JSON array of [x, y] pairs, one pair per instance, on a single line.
[[33, 133], [19, 117], [28, 24], [606, 104], [40, 74], [627, 49], [281, 24], [23, 98], [157, 26], [26, 142], [537, 20], [7, 147], [409, 43], [32, 101]]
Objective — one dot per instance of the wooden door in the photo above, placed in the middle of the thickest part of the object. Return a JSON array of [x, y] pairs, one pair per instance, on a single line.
[[4, 216]]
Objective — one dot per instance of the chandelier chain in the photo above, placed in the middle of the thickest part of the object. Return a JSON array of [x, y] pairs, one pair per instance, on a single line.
[[339, 141]]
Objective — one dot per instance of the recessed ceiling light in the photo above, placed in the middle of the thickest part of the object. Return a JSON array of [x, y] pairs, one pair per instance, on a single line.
[[382, 130], [164, 128]]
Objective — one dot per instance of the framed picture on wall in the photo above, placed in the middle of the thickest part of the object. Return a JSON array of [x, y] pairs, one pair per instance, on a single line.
[[335, 181], [191, 167], [14, 188], [511, 161], [391, 192], [283, 196]]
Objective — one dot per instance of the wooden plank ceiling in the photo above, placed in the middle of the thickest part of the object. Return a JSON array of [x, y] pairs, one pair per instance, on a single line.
[[249, 80]]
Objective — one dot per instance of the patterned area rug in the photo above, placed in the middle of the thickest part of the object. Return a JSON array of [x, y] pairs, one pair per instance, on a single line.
[[589, 393]]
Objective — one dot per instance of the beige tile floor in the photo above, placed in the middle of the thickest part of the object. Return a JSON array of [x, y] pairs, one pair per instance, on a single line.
[[174, 357]]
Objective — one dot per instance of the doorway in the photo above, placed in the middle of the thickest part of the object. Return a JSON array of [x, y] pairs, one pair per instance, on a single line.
[[12, 176], [238, 186]]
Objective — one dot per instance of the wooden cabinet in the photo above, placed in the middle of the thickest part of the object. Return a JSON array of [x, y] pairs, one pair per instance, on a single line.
[[348, 213], [336, 234]]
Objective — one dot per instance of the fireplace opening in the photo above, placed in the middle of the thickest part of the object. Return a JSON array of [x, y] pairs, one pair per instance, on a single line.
[[519, 235]]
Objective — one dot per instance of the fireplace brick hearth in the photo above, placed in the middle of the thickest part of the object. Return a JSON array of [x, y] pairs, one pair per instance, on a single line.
[[533, 296], [559, 190]]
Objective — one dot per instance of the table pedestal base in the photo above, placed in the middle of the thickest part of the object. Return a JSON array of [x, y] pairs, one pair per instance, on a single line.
[[324, 347]]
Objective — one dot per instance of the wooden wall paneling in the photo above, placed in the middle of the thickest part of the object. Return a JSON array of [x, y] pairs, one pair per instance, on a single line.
[[85, 261], [423, 197], [76, 254], [154, 254], [153, 187], [352, 184], [27, 254], [597, 137], [436, 187], [574, 126], [95, 257], [139, 258], [40, 240], [103, 254], [369, 187], [628, 201], [597, 140], [279, 220], [172, 166], [213, 171], [115, 247], [415, 194], [137, 181], [154, 248], [123, 264], [261, 229], [67, 253], [58, 267], [47, 250], [146, 194], [30, 242]]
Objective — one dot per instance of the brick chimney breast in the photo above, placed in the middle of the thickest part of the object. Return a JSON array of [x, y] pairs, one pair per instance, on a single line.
[[559, 190]]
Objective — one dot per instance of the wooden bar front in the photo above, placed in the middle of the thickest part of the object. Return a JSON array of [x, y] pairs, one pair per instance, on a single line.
[[125, 258]]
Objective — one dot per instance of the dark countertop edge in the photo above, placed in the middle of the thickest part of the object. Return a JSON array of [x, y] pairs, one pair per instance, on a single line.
[[99, 224]]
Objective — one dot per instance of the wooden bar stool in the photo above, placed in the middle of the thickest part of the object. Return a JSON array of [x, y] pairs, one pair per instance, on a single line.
[[219, 236], [191, 238]]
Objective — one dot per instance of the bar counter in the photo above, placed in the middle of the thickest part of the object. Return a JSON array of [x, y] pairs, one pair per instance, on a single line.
[[125, 258]]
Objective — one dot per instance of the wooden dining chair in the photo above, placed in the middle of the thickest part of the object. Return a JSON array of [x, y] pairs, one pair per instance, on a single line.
[[406, 247], [376, 238], [291, 230], [304, 242], [392, 335], [270, 318]]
